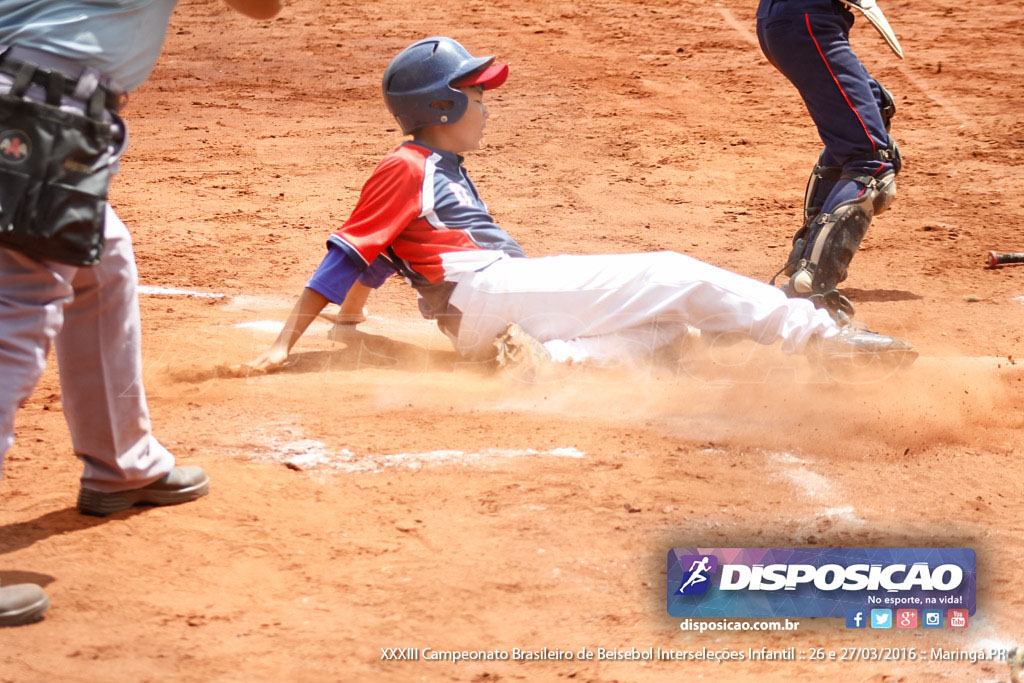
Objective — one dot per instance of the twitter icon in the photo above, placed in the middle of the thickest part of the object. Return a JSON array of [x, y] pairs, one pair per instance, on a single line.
[[881, 618]]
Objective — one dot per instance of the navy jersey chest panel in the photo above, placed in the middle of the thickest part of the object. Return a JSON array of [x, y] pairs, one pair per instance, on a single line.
[[457, 206]]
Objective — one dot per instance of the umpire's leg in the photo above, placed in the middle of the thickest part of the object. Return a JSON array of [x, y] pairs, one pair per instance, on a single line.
[[32, 298], [100, 359]]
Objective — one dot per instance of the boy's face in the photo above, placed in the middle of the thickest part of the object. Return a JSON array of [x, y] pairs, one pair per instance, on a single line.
[[465, 134], [470, 128]]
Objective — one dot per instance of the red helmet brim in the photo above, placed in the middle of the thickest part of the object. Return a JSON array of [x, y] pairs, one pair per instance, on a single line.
[[490, 77]]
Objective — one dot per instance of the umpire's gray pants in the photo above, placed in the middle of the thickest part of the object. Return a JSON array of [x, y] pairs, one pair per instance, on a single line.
[[93, 316]]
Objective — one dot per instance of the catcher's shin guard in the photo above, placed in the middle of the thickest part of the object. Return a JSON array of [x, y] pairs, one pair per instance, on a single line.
[[830, 241], [821, 181], [819, 184], [886, 105], [823, 178], [893, 156]]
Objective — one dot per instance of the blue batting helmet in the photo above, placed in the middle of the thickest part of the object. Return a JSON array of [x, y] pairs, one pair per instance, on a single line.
[[421, 83]]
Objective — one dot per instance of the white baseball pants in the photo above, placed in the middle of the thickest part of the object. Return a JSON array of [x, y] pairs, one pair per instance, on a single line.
[[598, 306]]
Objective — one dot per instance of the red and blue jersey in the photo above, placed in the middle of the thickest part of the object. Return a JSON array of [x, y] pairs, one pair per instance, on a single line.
[[420, 210]]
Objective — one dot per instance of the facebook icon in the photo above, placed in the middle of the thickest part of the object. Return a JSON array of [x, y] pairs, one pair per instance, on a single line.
[[856, 618]]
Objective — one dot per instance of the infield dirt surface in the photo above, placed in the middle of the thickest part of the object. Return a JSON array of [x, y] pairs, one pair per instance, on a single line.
[[433, 503]]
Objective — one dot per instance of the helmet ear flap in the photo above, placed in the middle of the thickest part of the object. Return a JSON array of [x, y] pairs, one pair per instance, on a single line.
[[443, 106], [417, 83]]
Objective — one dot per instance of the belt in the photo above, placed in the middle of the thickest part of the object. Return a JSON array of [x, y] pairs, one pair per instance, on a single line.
[[60, 77]]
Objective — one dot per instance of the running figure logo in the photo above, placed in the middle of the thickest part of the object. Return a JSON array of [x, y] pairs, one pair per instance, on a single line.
[[697, 579]]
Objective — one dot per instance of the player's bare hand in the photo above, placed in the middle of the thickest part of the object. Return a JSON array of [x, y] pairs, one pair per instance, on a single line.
[[270, 360]]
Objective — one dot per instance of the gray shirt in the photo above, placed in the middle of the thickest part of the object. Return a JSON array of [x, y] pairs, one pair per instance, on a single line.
[[119, 38]]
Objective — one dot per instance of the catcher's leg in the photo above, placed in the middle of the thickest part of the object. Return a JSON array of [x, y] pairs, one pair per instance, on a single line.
[[823, 250], [851, 112], [839, 203]]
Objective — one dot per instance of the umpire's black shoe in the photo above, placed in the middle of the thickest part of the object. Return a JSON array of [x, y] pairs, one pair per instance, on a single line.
[[855, 347], [22, 604], [180, 485]]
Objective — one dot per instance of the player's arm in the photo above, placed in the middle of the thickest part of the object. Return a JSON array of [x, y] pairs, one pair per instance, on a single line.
[[387, 203], [353, 308], [257, 9], [309, 305], [332, 281]]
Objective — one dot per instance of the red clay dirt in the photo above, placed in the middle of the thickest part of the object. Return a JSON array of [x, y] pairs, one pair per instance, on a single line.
[[431, 503]]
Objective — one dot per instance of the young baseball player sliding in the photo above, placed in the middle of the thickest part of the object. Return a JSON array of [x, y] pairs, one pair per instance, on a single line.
[[420, 215]]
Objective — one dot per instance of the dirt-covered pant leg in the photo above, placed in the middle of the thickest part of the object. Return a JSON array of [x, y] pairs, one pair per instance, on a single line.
[[93, 315], [568, 297]]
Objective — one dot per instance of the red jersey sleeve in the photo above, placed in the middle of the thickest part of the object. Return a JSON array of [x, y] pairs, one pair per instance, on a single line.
[[388, 202]]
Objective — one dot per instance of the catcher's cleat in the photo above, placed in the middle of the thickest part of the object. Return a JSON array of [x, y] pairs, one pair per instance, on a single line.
[[180, 485], [836, 304], [855, 348], [22, 604], [521, 355]]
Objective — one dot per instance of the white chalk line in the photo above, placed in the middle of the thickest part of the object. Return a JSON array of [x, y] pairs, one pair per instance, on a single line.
[[152, 290], [314, 456], [939, 100], [372, 324], [741, 29], [237, 302], [254, 303], [810, 483], [815, 487], [818, 487]]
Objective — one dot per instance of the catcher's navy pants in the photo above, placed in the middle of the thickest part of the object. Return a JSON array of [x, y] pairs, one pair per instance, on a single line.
[[808, 41]]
